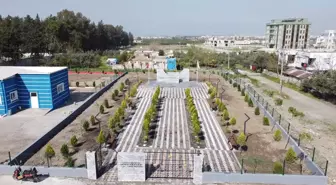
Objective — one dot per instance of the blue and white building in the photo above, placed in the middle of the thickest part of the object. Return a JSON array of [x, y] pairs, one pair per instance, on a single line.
[[32, 87]]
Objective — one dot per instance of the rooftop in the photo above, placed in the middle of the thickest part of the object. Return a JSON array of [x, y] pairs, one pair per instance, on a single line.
[[8, 71], [289, 21]]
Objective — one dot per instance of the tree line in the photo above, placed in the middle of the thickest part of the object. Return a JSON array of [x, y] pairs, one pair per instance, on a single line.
[[321, 85], [207, 58], [65, 32]]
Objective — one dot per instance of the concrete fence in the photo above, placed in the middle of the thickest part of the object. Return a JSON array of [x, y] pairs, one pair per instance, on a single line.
[[28, 152], [211, 177], [51, 171]]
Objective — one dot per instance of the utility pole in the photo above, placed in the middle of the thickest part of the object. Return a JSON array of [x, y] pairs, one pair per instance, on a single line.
[[281, 82], [228, 60]]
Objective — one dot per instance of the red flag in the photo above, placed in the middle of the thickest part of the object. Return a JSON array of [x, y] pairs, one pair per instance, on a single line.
[[147, 65]]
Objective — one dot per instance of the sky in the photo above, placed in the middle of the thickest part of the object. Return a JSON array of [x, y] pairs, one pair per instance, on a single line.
[[185, 17]]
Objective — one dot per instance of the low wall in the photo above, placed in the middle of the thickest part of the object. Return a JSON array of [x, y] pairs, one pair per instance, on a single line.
[[27, 153], [211, 177], [52, 171]]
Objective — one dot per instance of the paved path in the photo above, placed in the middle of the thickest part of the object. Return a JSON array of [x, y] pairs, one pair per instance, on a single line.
[[172, 142]]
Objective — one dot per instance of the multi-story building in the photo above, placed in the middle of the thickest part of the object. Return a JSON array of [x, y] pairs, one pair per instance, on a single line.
[[288, 33], [327, 40]]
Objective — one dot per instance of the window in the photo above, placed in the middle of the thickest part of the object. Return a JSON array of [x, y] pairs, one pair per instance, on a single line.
[[60, 88], [0, 100], [13, 96]]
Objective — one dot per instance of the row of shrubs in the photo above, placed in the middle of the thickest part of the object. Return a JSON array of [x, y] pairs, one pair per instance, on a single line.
[[196, 124], [150, 114], [64, 150], [212, 90]]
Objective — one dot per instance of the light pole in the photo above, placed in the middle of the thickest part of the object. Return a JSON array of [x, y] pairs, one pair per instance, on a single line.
[[281, 82]]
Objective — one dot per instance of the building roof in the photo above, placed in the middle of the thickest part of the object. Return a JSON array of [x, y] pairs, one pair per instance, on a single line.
[[9, 71], [289, 21], [297, 73]]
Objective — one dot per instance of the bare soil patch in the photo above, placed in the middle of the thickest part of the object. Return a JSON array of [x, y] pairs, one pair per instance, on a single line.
[[262, 150]]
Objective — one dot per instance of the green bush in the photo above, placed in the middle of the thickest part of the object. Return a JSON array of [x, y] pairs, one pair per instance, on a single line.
[[92, 120], [86, 125], [295, 113], [227, 130], [65, 150], [113, 96], [290, 156], [116, 92], [226, 115], [73, 141], [246, 98], [277, 168], [70, 162], [238, 87], [277, 135], [49, 151], [250, 103], [94, 83], [241, 140], [101, 138], [242, 93], [278, 101], [266, 121], [230, 81], [106, 104], [234, 84], [101, 109], [233, 121], [257, 111]]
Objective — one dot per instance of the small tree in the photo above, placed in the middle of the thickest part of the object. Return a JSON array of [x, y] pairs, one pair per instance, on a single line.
[[290, 156], [257, 111], [49, 152], [70, 162], [277, 168], [65, 150], [101, 109], [106, 103], [250, 103], [161, 52], [101, 138], [77, 84], [233, 121], [94, 83], [86, 125], [266, 121], [116, 92], [93, 120], [238, 87], [241, 140], [278, 101], [226, 115], [277, 135], [73, 141], [246, 98], [242, 93], [113, 96]]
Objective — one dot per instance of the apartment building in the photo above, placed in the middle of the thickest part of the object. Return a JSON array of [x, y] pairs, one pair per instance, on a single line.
[[288, 33], [327, 40]]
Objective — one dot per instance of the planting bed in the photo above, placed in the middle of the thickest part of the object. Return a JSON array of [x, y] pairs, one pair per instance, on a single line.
[[262, 151], [86, 139]]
